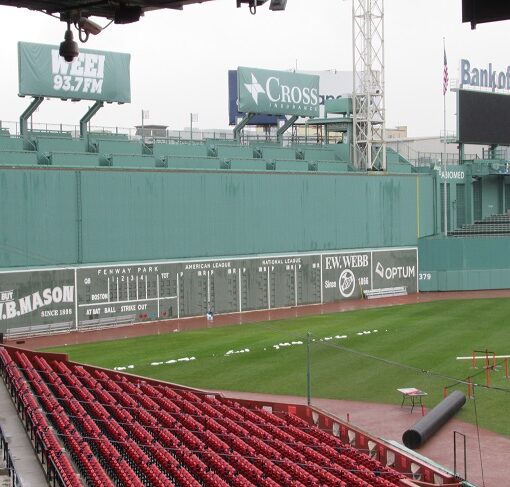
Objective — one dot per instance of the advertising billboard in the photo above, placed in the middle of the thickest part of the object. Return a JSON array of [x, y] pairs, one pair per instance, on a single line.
[[234, 114], [93, 75], [347, 274], [277, 92], [36, 298], [333, 84]]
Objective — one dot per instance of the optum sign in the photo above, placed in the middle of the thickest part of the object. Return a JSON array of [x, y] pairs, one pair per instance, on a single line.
[[277, 92]]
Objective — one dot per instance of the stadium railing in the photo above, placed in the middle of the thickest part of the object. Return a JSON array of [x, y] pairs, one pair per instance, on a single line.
[[9, 463]]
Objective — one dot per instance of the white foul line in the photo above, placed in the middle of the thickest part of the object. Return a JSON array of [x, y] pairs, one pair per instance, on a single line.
[[483, 357]]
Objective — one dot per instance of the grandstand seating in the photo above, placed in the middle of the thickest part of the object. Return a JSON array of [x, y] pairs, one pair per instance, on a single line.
[[291, 166], [393, 156], [61, 144], [211, 141], [332, 166], [117, 150], [493, 225], [112, 146], [62, 134], [10, 143], [319, 155], [184, 162], [235, 151], [317, 152], [18, 158], [107, 135], [187, 150], [72, 159], [127, 160], [239, 164], [122, 430], [272, 152], [396, 163]]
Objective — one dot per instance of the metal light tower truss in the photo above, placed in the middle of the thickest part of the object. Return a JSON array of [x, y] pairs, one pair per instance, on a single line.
[[369, 147]]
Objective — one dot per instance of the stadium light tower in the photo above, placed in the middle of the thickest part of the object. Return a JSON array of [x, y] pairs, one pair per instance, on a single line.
[[369, 147]]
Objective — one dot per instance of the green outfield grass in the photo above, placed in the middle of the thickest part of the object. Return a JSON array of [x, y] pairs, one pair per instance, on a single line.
[[424, 339]]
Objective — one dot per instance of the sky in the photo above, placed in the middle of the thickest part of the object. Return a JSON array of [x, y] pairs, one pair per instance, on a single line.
[[180, 59]]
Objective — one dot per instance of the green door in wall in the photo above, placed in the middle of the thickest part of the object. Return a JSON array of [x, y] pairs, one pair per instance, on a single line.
[[477, 200], [461, 205], [507, 197], [448, 205]]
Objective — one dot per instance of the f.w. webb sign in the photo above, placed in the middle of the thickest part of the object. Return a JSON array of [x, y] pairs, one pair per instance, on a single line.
[[277, 92]]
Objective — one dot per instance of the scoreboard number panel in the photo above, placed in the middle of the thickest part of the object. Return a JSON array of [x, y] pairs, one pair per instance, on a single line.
[[132, 292]]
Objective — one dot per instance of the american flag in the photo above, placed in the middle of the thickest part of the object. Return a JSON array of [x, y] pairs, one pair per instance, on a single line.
[[445, 75]]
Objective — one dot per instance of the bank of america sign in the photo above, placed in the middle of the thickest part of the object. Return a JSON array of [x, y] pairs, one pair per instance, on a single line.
[[277, 92]]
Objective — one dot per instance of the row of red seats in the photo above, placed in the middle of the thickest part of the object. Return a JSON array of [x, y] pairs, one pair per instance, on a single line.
[[80, 451], [192, 423], [137, 459], [123, 472], [141, 432], [218, 441], [262, 447], [191, 439], [377, 474], [51, 447]]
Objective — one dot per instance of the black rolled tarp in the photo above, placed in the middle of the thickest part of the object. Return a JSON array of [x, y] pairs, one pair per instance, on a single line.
[[417, 435]]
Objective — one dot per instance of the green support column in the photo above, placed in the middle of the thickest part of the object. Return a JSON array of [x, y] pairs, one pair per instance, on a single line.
[[84, 134], [23, 122], [285, 127], [240, 126], [308, 370]]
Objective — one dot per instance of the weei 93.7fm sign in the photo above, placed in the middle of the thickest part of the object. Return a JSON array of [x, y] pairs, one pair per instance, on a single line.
[[277, 92], [93, 75]]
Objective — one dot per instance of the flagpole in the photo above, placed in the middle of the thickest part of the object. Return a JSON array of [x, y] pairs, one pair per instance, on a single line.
[[444, 147], [143, 138]]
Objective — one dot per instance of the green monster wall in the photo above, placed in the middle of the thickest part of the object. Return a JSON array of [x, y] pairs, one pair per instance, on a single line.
[[53, 216]]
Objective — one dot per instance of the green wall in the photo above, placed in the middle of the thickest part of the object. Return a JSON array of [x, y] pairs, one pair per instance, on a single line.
[[56, 216], [464, 263], [38, 219]]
